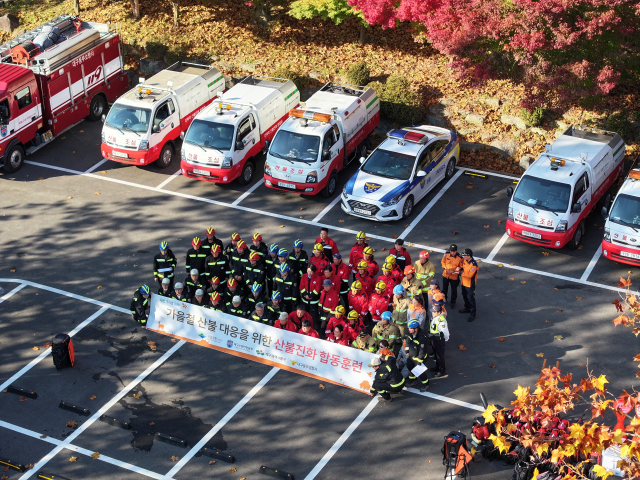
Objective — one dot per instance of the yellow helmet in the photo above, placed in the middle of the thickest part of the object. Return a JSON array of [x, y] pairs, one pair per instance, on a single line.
[[390, 259], [318, 247], [387, 267], [339, 310], [361, 236], [381, 286], [352, 315], [363, 265], [356, 286], [368, 251]]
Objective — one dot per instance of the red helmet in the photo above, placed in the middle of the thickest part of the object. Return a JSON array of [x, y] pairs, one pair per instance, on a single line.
[[235, 236], [216, 248], [232, 282], [215, 281], [241, 244], [424, 254], [257, 236], [254, 256], [196, 242], [215, 296], [211, 231], [409, 269]]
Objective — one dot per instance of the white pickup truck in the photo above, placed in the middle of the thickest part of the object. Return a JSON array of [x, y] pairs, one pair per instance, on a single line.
[[320, 139], [563, 185], [622, 228], [224, 138]]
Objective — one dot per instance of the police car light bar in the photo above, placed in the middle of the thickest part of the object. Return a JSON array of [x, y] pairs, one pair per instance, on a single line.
[[320, 117], [408, 136], [635, 174]]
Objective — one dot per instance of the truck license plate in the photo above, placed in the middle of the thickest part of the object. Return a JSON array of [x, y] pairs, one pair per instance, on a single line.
[[119, 154], [362, 212], [286, 185], [201, 172], [629, 255], [531, 234]]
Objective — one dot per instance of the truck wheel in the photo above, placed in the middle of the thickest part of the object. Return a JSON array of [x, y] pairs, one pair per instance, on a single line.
[[451, 168], [14, 159], [577, 237], [408, 207], [165, 156], [97, 108], [247, 173], [330, 188]]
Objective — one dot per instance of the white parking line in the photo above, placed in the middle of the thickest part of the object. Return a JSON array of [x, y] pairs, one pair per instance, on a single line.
[[592, 264], [169, 179], [442, 398], [248, 192], [433, 201], [10, 294], [41, 357], [498, 246], [326, 209], [492, 174], [96, 166], [218, 426], [67, 442]]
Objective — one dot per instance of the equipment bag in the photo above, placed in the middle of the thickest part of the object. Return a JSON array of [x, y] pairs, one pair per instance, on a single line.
[[454, 452], [62, 351]]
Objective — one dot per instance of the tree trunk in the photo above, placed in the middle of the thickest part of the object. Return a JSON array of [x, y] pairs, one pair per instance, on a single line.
[[175, 5], [363, 34], [135, 8], [76, 7]]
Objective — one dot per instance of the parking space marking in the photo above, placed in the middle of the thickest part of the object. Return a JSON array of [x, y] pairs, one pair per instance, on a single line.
[[248, 192], [326, 209], [498, 246], [159, 187], [492, 174], [442, 398], [96, 166], [343, 438], [41, 357], [433, 201], [103, 410], [29, 433], [10, 294], [218, 426], [592, 264]]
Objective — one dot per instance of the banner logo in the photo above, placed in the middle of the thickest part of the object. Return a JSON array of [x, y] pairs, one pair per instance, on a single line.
[[229, 343]]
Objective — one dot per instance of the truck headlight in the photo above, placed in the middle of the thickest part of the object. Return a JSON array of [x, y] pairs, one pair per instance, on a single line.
[[510, 213], [226, 163], [393, 201], [344, 192], [183, 156], [267, 169], [607, 234], [562, 226], [312, 177], [144, 145]]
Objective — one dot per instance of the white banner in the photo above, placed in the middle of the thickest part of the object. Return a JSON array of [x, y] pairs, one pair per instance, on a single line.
[[291, 351]]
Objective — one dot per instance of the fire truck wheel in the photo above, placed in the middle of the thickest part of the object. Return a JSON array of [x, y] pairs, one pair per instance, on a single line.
[[14, 159], [247, 173], [408, 207], [577, 236], [165, 156], [330, 188], [97, 108]]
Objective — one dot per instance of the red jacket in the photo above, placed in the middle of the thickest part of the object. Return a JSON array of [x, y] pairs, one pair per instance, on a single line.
[[312, 333], [344, 340], [343, 272], [319, 262], [402, 258], [356, 329], [359, 302], [311, 285], [290, 326], [377, 306], [367, 282], [389, 282], [293, 317], [356, 255], [329, 242], [335, 280], [328, 303], [398, 274], [333, 322], [372, 267]]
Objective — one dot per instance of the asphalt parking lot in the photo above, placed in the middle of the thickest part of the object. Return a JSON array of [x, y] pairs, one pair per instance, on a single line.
[[80, 235]]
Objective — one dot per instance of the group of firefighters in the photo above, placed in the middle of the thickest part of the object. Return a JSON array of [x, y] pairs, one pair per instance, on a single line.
[[395, 310]]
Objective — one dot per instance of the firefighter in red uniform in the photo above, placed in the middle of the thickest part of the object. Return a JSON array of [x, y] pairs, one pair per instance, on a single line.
[[378, 303], [337, 318], [397, 273], [400, 254], [329, 300], [339, 336], [372, 265], [329, 246], [318, 260], [358, 299], [299, 315], [307, 330], [366, 280], [388, 280], [328, 275], [310, 288], [342, 273], [354, 325], [356, 252], [283, 323]]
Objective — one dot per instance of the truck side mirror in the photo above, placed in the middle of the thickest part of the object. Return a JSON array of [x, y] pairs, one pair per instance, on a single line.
[[182, 135], [239, 145], [104, 117], [604, 212], [362, 159], [421, 173], [576, 208], [509, 191], [326, 155], [4, 111], [155, 129]]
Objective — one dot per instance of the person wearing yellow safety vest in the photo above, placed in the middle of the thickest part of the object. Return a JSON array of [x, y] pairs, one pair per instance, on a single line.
[[365, 342], [387, 380], [412, 286], [425, 270], [415, 347], [386, 330], [400, 307], [438, 335]]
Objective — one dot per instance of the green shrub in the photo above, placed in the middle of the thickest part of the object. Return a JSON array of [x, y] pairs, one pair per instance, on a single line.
[[155, 50], [533, 118], [176, 54], [285, 72], [358, 74], [398, 102], [619, 122]]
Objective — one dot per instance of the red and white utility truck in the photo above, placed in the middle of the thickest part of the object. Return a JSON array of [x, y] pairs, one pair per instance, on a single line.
[[320, 139], [564, 184], [53, 77], [143, 124], [225, 137], [621, 241]]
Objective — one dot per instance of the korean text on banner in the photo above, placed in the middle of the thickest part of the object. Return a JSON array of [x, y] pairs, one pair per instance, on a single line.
[[261, 343]]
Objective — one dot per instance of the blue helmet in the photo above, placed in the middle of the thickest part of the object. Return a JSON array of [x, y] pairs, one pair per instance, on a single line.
[[273, 248], [284, 268], [256, 288], [276, 296], [398, 290], [413, 324], [386, 316], [283, 252], [164, 246], [144, 290], [298, 244]]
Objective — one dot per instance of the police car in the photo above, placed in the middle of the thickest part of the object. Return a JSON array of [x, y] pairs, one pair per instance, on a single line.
[[401, 171]]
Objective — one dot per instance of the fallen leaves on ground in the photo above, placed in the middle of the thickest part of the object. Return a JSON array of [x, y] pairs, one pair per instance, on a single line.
[[394, 236], [174, 458], [500, 265], [407, 225], [581, 364], [152, 423], [462, 347], [13, 270], [22, 399], [499, 222], [92, 397], [454, 233], [340, 221], [557, 337], [501, 339], [522, 281], [103, 172], [29, 466], [40, 179], [487, 226], [321, 386], [136, 395], [522, 353], [501, 311], [383, 249], [135, 264], [512, 279], [43, 436], [6, 469], [546, 254], [421, 419], [580, 247], [469, 187], [281, 226], [559, 310], [152, 346], [72, 424], [36, 348], [233, 469], [97, 193], [212, 462], [578, 298], [95, 455], [547, 321], [99, 287], [461, 203], [4, 391], [555, 289], [4, 477], [69, 198], [73, 459], [624, 283], [540, 354], [174, 340], [301, 208], [492, 365]]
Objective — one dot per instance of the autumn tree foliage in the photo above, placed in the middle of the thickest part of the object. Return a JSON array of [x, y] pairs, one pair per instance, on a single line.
[[560, 49], [335, 10]]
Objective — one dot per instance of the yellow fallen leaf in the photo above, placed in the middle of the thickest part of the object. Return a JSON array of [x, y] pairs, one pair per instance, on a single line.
[[462, 347], [281, 226], [557, 337], [555, 289], [40, 179], [487, 226], [81, 131], [499, 222], [581, 364], [511, 264], [578, 298], [73, 459], [421, 419], [512, 279], [13, 270], [99, 287], [95, 455], [174, 458], [69, 198], [301, 208], [92, 397], [500, 265], [540, 354], [321, 386], [546, 254], [136, 395], [103, 172], [35, 348], [522, 281], [340, 221], [547, 321], [174, 340], [233, 469], [72, 424], [97, 193]]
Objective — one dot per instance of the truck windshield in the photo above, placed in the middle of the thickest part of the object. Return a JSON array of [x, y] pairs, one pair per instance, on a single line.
[[295, 146], [543, 194], [389, 164], [210, 134], [130, 118], [626, 210]]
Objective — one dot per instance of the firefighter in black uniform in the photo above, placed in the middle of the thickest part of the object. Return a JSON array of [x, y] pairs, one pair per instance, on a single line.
[[217, 264], [271, 264], [261, 315], [211, 240], [239, 258], [237, 307], [388, 378], [165, 288], [416, 350], [259, 247], [196, 256], [216, 303], [200, 299], [254, 271], [214, 286], [178, 293], [256, 296], [233, 288], [140, 305], [164, 264], [275, 306], [231, 247], [193, 283], [284, 283], [300, 259]]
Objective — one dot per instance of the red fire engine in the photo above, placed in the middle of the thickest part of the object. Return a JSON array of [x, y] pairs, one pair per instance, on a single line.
[[53, 77]]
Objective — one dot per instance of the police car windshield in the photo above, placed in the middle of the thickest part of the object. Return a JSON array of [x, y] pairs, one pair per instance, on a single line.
[[626, 211], [295, 146], [545, 194], [210, 134], [385, 163], [129, 118]]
